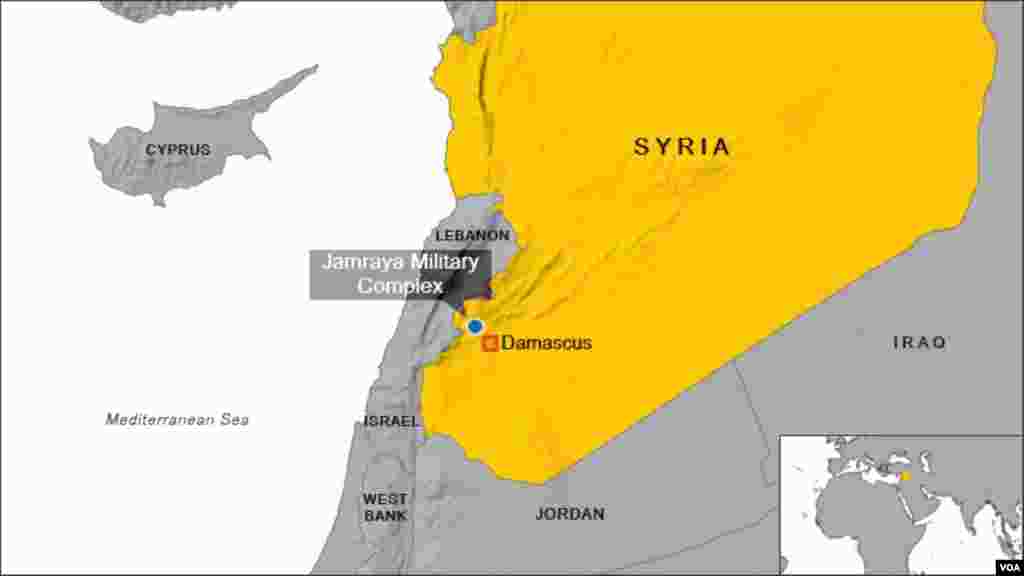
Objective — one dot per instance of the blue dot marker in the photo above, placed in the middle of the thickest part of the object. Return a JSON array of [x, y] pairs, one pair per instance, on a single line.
[[475, 326]]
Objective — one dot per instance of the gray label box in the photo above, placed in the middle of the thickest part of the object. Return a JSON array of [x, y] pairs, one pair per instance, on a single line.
[[449, 275]]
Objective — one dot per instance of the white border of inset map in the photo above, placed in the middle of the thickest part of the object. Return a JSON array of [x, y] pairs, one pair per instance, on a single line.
[[803, 471]]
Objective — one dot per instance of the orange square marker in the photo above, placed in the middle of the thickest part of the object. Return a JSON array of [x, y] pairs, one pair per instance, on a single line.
[[490, 342]]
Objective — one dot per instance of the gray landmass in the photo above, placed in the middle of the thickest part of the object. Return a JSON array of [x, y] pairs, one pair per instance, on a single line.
[[675, 487], [834, 369], [140, 11], [385, 458], [872, 515], [471, 17], [748, 549], [127, 163], [685, 497], [691, 501], [973, 471]]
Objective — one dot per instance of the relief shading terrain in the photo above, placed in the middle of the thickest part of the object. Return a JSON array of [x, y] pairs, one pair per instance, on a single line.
[[185, 146], [141, 11]]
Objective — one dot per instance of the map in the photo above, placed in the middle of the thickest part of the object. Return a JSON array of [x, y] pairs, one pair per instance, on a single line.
[[884, 504], [528, 287]]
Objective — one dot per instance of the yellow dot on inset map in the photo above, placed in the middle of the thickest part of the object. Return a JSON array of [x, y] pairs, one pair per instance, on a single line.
[[905, 475]]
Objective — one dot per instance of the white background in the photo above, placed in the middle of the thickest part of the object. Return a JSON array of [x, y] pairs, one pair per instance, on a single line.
[[945, 548], [803, 476], [111, 304]]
